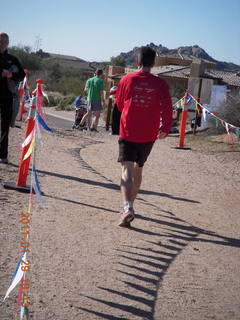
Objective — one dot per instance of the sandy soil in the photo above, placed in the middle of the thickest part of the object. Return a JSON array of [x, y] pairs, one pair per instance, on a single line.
[[180, 260]]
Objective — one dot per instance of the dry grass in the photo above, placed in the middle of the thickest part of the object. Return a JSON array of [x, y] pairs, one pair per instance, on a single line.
[[210, 142]]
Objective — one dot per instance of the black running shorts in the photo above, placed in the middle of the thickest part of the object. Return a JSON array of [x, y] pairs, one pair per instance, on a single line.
[[134, 151]]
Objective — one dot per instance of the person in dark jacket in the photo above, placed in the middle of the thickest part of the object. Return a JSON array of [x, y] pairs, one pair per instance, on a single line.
[[116, 114], [11, 72]]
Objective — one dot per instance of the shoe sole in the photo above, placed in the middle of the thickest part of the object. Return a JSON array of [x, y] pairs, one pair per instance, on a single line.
[[125, 222], [4, 162]]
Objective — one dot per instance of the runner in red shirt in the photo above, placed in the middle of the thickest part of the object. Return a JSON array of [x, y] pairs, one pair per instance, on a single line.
[[146, 107]]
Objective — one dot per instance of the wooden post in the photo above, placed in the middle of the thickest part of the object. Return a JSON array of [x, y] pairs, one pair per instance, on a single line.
[[196, 112]]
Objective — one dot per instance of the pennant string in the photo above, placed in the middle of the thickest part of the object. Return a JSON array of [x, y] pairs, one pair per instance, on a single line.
[[19, 275], [224, 123]]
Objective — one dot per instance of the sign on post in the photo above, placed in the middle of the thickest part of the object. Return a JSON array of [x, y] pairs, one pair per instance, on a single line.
[[200, 88]]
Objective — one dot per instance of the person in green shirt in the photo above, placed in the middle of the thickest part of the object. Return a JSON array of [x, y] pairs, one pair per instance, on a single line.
[[94, 90]]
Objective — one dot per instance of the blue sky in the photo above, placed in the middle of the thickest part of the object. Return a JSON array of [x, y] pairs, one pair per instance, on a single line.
[[95, 30]]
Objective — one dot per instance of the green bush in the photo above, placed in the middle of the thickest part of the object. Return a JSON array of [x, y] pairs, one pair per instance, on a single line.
[[54, 99], [57, 77], [66, 103], [118, 61], [69, 85], [176, 92], [231, 110], [28, 59]]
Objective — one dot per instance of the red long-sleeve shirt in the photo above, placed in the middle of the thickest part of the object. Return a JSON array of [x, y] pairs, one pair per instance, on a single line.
[[144, 101]]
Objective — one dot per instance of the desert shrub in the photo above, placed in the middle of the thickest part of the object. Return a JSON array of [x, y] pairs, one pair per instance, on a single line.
[[69, 85], [176, 92], [57, 77], [66, 103], [64, 79], [37, 74], [118, 61], [54, 99], [231, 110], [28, 59]]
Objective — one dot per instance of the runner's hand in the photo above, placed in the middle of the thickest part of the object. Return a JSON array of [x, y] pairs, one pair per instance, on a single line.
[[6, 74], [162, 135]]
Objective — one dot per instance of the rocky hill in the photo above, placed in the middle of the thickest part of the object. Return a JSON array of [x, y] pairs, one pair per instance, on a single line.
[[189, 51]]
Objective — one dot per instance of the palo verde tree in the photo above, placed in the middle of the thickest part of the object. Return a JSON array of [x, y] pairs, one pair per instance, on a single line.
[[118, 61]]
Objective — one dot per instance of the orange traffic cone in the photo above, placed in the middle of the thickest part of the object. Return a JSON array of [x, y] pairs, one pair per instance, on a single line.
[[24, 164], [36, 103], [21, 184], [183, 124]]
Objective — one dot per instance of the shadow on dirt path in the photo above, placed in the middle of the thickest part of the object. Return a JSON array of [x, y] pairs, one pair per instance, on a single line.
[[159, 256], [137, 265]]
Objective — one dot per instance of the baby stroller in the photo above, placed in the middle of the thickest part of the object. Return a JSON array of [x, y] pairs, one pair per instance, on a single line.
[[80, 112]]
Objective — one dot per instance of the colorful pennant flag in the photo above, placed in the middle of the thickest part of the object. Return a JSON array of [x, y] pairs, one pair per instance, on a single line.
[[188, 99], [39, 101], [27, 140], [38, 131], [18, 276], [205, 115], [229, 127], [237, 132], [45, 95], [18, 264], [43, 123], [30, 149], [36, 186]]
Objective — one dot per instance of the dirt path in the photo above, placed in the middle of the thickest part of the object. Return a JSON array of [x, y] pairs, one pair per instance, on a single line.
[[180, 260]]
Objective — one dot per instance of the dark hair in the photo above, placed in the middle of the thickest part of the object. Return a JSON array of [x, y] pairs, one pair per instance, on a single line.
[[99, 72], [146, 57], [3, 34]]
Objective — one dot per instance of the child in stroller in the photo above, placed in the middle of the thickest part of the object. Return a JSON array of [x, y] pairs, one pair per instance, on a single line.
[[81, 109]]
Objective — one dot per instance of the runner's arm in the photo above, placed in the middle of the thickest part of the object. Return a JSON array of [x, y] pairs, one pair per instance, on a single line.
[[102, 97], [166, 115]]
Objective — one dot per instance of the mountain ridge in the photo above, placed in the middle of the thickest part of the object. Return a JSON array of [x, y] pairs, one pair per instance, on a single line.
[[189, 51]]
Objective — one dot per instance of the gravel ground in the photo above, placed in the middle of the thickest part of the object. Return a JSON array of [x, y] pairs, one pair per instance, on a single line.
[[180, 260]]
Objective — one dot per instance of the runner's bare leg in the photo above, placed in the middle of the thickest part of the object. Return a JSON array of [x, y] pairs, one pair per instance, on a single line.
[[131, 180], [86, 117], [95, 119], [137, 179]]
